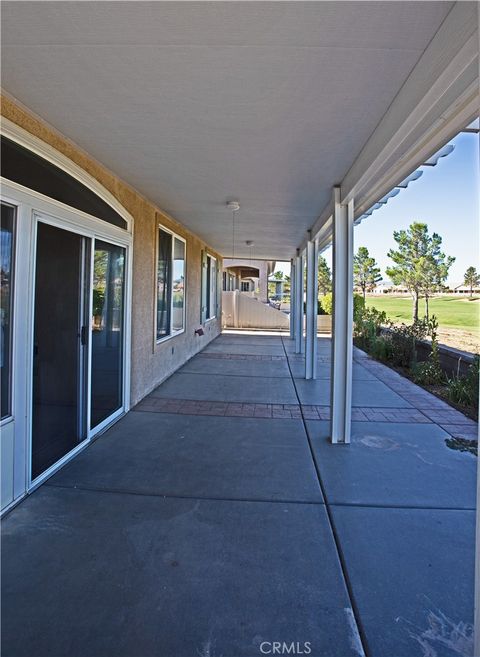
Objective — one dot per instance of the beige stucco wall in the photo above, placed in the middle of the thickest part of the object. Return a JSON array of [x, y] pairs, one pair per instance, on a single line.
[[151, 363]]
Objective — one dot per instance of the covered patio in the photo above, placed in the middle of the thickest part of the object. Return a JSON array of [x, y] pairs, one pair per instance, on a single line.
[[217, 519], [233, 495]]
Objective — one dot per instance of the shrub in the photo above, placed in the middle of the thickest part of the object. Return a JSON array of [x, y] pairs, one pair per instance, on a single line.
[[464, 389], [404, 340], [381, 348], [430, 371], [358, 305], [320, 310], [327, 304], [368, 323]]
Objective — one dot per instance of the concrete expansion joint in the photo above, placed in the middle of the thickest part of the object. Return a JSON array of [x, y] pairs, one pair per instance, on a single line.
[[357, 628]]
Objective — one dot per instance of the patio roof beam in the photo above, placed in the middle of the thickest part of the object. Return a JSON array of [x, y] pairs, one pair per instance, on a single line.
[[312, 310], [342, 320]]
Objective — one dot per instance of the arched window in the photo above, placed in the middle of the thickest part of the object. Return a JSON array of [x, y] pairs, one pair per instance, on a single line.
[[26, 168]]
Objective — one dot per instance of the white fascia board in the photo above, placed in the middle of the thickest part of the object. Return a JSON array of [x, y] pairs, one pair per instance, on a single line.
[[458, 110], [322, 228], [325, 234], [443, 82], [440, 96]]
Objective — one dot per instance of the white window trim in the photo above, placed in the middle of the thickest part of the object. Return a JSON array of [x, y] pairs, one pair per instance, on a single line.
[[34, 144], [172, 334], [214, 316], [11, 415]]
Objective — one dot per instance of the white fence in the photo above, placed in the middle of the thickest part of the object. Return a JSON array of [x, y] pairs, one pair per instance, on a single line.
[[239, 310]]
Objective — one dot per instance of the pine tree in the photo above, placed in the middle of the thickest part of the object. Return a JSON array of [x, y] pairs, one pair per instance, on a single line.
[[420, 264], [471, 279], [366, 273], [324, 276]]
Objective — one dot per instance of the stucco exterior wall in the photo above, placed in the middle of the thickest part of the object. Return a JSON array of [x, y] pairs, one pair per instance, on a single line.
[[151, 363]]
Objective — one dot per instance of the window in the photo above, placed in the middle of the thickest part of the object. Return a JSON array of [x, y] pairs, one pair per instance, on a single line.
[[178, 314], [209, 287], [245, 286], [170, 284], [7, 235], [228, 282], [32, 171]]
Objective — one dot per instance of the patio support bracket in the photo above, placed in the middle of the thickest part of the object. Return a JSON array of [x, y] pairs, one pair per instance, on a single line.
[[312, 311], [342, 320]]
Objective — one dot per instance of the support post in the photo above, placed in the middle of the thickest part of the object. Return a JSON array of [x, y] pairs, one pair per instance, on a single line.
[[342, 321], [476, 622], [292, 299], [298, 304], [312, 311]]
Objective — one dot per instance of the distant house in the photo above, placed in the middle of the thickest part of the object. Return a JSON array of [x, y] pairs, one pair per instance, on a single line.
[[386, 287], [464, 289]]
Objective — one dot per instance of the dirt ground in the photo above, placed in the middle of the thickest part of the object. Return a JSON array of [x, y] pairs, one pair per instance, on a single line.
[[459, 339]]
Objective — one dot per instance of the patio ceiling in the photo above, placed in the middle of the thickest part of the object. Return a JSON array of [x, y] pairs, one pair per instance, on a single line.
[[197, 103]]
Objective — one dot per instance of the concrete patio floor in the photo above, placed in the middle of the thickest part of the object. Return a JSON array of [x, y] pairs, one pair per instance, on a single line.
[[216, 519]]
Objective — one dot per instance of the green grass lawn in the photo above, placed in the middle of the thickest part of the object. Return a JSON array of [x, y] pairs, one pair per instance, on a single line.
[[450, 311]]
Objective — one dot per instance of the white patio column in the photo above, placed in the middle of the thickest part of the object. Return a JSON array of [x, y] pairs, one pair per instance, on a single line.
[[312, 311], [342, 321], [292, 299], [476, 622], [298, 304]]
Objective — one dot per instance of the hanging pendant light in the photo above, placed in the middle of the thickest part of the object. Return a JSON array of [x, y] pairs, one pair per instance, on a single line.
[[234, 206]]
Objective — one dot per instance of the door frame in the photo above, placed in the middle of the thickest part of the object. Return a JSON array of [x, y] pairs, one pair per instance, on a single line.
[[33, 207], [20, 323]]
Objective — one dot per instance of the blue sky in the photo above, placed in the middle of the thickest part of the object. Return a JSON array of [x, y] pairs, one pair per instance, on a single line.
[[446, 198]]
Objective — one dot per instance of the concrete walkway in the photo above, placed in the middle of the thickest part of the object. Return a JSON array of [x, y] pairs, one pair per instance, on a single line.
[[216, 519]]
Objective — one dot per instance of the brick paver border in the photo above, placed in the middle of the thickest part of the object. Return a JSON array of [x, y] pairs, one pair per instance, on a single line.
[[221, 356], [425, 408], [434, 409], [274, 411]]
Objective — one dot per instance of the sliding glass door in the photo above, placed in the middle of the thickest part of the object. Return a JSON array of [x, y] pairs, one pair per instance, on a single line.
[[78, 359], [107, 331], [60, 345], [64, 334]]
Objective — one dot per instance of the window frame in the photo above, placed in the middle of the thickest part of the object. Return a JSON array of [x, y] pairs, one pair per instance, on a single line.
[[209, 290], [10, 415], [174, 236]]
